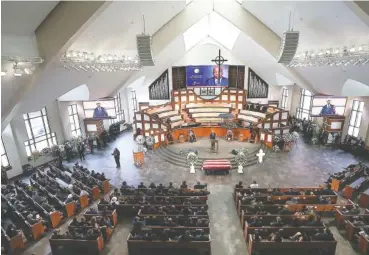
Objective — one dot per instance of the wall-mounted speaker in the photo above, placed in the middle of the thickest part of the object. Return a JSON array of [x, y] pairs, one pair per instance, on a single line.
[[289, 44], [144, 50]]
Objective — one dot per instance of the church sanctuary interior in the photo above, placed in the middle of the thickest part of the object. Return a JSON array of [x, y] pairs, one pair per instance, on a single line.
[[185, 127]]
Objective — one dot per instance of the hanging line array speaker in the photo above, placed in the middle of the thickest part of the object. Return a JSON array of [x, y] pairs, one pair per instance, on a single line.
[[144, 50], [289, 44]]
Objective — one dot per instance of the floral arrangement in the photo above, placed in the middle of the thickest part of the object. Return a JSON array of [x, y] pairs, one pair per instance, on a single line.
[[276, 148], [241, 157], [295, 136], [35, 155], [45, 152], [192, 158], [150, 140]]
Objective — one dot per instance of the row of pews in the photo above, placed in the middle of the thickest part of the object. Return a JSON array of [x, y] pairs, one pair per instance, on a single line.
[[31, 209], [166, 219], [355, 224], [353, 181], [87, 235], [283, 220]]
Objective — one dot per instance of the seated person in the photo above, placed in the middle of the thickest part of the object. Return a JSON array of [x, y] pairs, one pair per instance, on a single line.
[[229, 135], [277, 192], [104, 201], [201, 236], [164, 236], [298, 237], [170, 186], [75, 222], [277, 236], [255, 222], [325, 235], [114, 201], [239, 185], [141, 186], [285, 211], [11, 231], [152, 186], [277, 223], [69, 199], [116, 192], [191, 136], [254, 185], [170, 137], [199, 186], [184, 185], [186, 237], [125, 186]]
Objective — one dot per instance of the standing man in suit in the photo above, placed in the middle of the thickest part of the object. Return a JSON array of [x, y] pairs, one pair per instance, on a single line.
[[217, 79], [99, 111], [328, 109], [116, 154]]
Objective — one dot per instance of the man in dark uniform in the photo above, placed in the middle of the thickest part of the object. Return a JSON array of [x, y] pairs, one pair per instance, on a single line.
[[116, 154], [91, 144], [81, 151]]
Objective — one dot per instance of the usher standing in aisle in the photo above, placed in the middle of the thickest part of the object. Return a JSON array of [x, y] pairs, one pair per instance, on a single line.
[[116, 154]]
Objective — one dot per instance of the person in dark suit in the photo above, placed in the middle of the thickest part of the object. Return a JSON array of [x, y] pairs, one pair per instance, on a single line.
[[116, 154], [328, 109], [217, 79], [100, 112]]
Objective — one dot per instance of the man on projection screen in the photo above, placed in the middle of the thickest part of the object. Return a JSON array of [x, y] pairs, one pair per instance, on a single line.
[[328, 109], [100, 112], [217, 79]]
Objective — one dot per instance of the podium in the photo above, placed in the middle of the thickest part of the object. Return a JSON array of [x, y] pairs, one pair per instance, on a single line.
[[214, 143]]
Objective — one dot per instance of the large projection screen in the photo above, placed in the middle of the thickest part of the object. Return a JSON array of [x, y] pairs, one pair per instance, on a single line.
[[207, 76], [325, 106], [105, 111]]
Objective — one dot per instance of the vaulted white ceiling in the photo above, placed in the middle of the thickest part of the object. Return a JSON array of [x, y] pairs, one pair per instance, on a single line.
[[114, 30]]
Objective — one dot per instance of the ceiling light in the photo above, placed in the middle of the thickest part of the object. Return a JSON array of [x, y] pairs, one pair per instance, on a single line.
[[29, 70], [3, 73]]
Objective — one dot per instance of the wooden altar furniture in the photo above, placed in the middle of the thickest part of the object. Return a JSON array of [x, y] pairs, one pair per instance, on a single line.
[[138, 158], [93, 126]]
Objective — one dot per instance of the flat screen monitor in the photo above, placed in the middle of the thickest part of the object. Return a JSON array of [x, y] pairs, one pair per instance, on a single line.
[[100, 109], [325, 106], [207, 76]]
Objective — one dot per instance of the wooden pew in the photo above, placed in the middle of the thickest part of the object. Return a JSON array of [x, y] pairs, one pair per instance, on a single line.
[[14, 245], [337, 185], [268, 191], [35, 231], [305, 199], [184, 192], [55, 217], [69, 209], [109, 231], [251, 230], [349, 190], [364, 244], [104, 185], [351, 230], [284, 218], [112, 216], [90, 247], [297, 207], [84, 200], [328, 246], [341, 217], [364, 199], [142, 247]]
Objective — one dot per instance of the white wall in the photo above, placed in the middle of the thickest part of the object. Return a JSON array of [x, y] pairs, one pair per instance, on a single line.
[[295, 100], [12, 152], [20, 134], [364, 126], [25, 46], [64, 117]]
